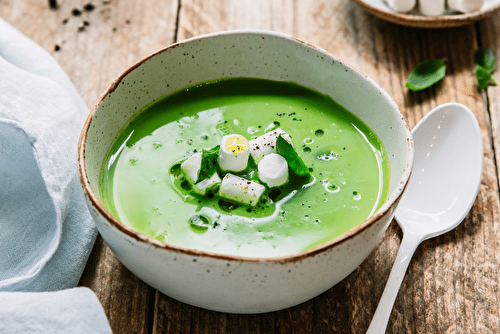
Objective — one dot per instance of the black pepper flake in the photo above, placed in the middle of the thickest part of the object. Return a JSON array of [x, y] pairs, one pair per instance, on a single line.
[[89, 7], [76, 12], [57, 48], [65, 21], [53, 4]]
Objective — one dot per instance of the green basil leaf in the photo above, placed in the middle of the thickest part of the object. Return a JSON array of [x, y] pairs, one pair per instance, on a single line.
[[426, 74], [295, 163], [484, 57], [486, 63], [209, 164], [483, 76]]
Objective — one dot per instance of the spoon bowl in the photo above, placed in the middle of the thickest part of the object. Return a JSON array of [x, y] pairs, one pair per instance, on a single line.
[[444, 184], [446, 173]]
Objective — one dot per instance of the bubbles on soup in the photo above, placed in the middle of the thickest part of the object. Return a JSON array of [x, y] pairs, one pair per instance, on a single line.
[[199, 223]]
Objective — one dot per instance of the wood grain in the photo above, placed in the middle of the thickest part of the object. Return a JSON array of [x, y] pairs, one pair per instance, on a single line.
[[452, 284]]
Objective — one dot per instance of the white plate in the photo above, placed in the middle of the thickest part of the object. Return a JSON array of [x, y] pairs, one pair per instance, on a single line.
[[415, 19]]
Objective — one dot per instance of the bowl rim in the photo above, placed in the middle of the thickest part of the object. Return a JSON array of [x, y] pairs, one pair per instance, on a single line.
[[393, 197]]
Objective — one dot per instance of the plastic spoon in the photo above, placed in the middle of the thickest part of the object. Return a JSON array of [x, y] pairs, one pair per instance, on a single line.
[[445, 180]]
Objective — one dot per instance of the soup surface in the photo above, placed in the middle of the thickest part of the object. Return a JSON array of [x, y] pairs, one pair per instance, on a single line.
[[144, 188]]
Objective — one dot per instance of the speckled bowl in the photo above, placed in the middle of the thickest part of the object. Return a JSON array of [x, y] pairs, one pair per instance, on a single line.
[[231, 283]]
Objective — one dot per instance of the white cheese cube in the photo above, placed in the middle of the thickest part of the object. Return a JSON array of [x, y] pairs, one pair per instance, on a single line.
[[401, 6], [241, 190], [432, 7], [266, 144], [191, 169], [273, 170], [203, 186], [233, 153], [465, 6]]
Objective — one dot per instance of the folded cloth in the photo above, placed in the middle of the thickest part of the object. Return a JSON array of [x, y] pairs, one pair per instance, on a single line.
[[26, 312], [46, 231]]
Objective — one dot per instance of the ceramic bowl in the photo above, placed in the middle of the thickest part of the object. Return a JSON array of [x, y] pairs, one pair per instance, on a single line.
[[232, 283]]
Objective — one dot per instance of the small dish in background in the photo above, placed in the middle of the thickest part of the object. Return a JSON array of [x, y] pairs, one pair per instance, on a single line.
[[414, 19]]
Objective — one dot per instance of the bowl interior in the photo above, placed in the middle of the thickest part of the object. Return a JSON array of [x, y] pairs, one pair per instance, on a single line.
[[256, 54]]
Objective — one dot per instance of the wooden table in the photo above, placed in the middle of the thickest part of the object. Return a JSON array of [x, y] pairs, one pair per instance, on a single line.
[[452, 285]]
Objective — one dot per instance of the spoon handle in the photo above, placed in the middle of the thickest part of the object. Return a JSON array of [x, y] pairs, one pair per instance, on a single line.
[[408, 246]]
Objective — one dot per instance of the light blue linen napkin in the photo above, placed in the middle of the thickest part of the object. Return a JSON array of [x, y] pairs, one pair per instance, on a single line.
[[46, 233], [67, 311]]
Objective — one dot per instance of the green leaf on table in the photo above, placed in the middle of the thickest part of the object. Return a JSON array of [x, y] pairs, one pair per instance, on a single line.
[[295, 163], [484, 57], [484, 77], [426, 74], [209, 164], [486, 63]]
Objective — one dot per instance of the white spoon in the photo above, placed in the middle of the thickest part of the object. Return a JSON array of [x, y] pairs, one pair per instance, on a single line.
[[445, 180]]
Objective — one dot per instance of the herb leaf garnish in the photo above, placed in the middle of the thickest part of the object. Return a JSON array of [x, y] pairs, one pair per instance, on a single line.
[[295, 163], [426, 74], [209, 164], [486, 63]]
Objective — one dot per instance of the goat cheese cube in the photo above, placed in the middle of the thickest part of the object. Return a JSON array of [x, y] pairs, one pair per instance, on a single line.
[[266, 144], [191, 169], [241, 190], [273, 170]]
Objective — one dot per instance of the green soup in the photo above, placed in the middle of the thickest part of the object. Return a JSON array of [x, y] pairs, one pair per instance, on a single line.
[[143, 188]]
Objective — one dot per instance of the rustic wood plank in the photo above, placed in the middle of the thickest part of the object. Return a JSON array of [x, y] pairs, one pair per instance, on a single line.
[[94, 42], [405, 44], [489, 30], [127, 301]]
